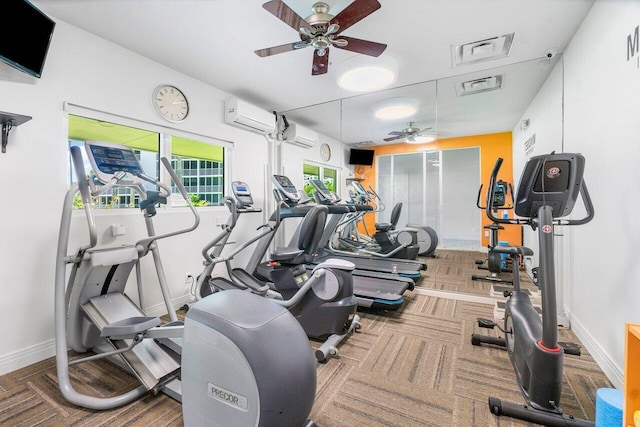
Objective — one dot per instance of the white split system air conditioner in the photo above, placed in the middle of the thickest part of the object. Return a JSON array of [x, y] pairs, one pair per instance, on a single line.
[[301, 136], [249, 117]]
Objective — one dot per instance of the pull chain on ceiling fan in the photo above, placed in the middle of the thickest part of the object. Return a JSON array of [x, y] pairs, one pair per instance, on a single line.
[[321, 31]]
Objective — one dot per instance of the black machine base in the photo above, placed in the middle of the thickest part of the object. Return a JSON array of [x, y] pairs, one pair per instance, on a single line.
[[527, 413]]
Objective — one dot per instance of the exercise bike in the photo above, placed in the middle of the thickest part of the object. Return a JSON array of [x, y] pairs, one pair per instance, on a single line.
[[224, 363], [496, 262], [548, 189]]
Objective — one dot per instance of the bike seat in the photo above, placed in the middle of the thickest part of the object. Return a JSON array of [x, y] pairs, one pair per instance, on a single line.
[[513, 250]]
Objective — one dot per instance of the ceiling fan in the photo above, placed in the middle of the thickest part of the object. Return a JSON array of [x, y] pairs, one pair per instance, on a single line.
[[322, 30], [408, 134]]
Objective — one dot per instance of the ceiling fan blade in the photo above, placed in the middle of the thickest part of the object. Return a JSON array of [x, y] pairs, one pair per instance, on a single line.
[[395, 132], [274, 50], [284, 13], [354, 13], [420, 132], [365, 47], [320, 63]]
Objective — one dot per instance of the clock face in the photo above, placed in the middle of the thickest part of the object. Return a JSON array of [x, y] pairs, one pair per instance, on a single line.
[[325, 152], [171, 103]]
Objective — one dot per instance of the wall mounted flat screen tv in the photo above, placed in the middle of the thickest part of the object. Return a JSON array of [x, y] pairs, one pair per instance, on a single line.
[[361, 157], [24, 45]]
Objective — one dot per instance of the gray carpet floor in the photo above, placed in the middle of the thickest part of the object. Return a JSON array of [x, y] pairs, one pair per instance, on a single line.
[[412, 367]]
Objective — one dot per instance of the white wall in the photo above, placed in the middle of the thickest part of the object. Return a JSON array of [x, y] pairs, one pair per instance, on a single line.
[[88, 71], [601, 93]]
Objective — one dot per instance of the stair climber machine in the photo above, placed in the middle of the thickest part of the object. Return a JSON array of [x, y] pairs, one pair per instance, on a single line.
[[364, 259], [224, 363], [375, 290], [496, 262], [321, 300], [548, 189], [426, 236]]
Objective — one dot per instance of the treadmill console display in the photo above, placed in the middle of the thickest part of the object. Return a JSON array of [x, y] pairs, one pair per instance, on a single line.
[[286, 188], [320, 186], [108, 159], [242, 194], [323, 193]]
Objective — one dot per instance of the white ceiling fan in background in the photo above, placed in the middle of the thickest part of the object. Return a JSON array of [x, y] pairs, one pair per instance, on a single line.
[[411, 135]]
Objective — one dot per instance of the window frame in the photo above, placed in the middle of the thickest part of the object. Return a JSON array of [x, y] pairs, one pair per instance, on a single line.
[[165, 134], [321, 170]]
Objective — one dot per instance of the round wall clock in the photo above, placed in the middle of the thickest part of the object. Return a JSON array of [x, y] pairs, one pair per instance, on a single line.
[[170, 103], [325, 152]]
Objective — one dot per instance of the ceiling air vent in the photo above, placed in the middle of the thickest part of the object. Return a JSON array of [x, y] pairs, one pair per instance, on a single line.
[[482, 50], [484, 84]]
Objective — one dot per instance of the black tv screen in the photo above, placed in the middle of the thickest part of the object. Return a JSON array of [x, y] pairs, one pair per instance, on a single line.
[[25, 43], [361, 157]]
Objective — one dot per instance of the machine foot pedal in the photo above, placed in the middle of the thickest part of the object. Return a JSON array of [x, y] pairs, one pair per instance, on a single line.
[[570, 348]]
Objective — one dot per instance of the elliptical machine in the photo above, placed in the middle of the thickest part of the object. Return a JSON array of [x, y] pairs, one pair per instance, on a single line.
[[425, 236], [224, 363], [404, 245], [548, 190], [322, 301], [496, 262]]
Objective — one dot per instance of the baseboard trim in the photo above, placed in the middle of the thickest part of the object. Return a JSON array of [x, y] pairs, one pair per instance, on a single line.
[[33, 354], [613, 372], [27, 356]]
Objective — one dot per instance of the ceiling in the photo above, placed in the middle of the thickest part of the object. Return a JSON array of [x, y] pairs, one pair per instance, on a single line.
[[214, 41]]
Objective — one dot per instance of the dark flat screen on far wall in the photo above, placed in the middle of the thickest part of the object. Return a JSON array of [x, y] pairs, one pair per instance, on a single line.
[[361, 157], [25, 43]]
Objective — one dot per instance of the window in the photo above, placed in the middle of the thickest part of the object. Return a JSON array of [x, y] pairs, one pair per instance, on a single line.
[[327, 175], [199, 165]]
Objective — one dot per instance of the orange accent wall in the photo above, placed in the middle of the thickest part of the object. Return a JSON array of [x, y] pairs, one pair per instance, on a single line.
[[491, 146]]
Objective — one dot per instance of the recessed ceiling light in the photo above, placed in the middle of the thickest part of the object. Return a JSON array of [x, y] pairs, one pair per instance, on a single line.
[[358, 74], [396, 108], [394, 112]]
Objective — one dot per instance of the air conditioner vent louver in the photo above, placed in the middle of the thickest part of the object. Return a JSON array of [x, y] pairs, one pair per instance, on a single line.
[[484, 84], [482, 50]]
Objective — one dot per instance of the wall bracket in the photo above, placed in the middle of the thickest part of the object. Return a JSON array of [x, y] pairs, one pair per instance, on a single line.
[[9, 121]]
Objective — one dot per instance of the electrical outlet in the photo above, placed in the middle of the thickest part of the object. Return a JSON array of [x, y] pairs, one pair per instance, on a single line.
[[219, 220], [188, 278], [486, 233]]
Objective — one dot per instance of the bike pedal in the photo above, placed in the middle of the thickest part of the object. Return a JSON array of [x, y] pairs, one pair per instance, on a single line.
[[486, 323], [570, 348]]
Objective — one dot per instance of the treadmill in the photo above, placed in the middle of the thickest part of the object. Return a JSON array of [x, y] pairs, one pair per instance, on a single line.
[[363, 260], [378, 291]]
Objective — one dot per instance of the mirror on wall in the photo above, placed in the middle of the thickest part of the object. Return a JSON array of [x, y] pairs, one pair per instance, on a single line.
[[473, 117]]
